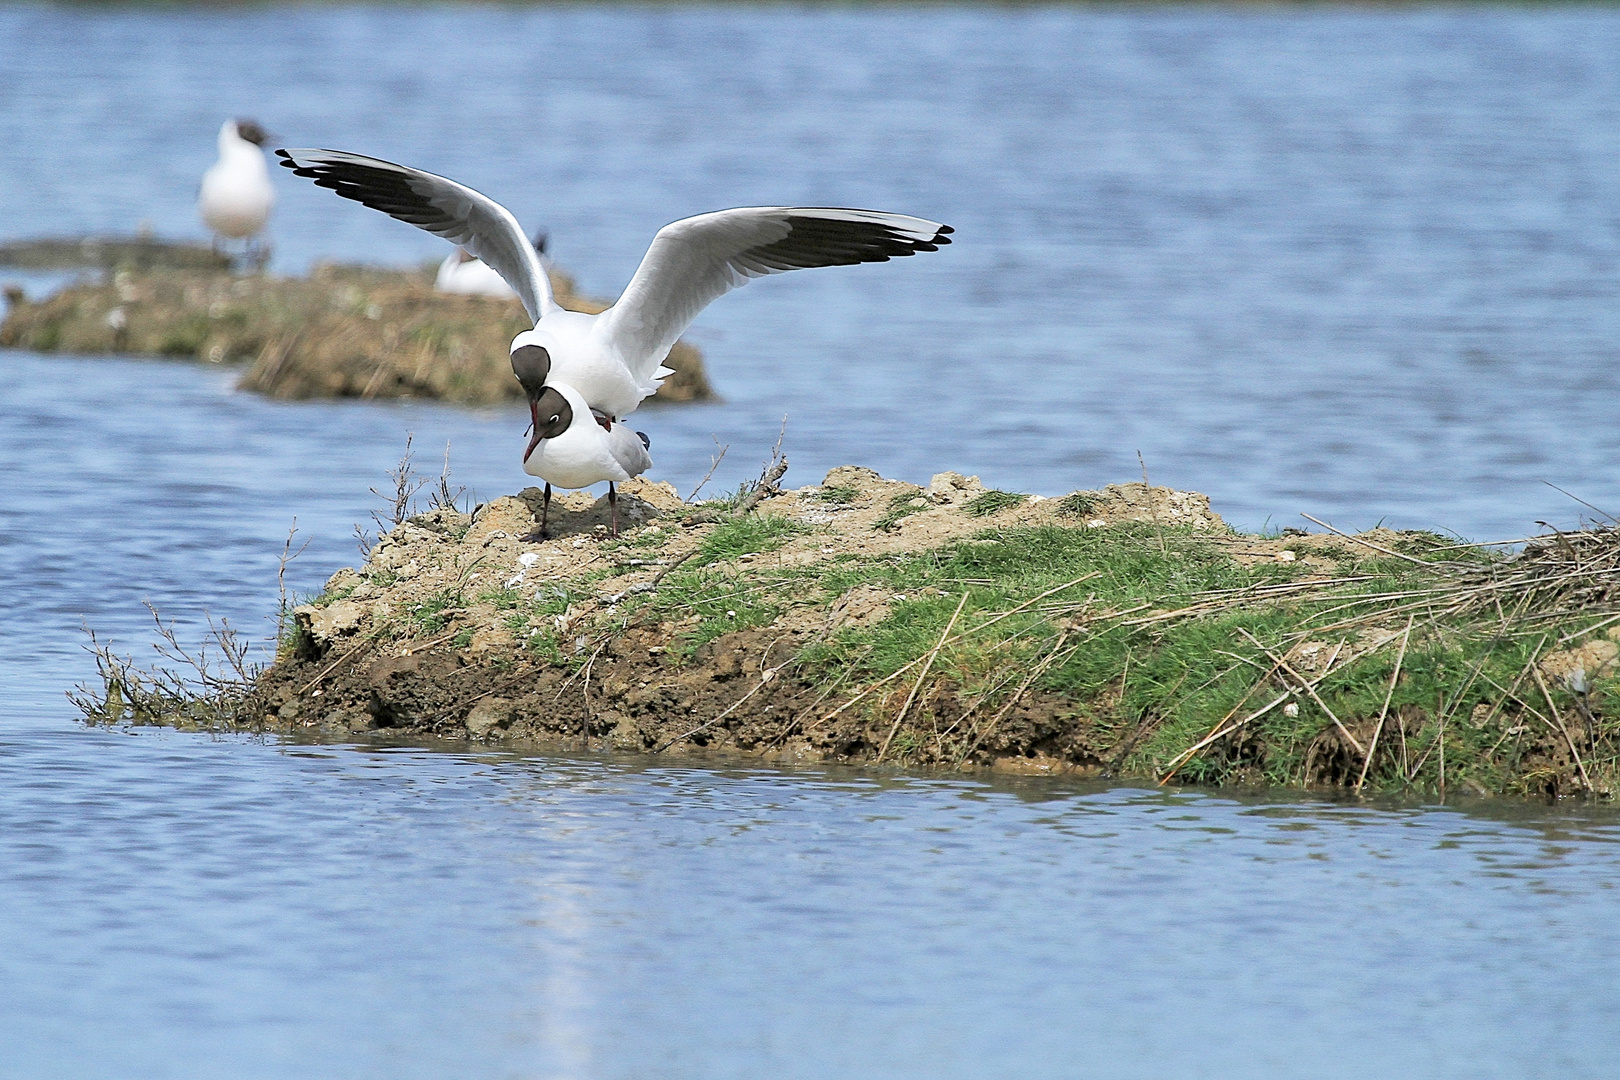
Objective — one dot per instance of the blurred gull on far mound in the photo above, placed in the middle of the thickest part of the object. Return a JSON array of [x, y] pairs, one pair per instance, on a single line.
[[464, 274], [236, 195]]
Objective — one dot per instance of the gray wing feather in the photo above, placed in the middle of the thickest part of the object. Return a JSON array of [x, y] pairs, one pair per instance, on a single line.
[[440, 206], [693, 262], [629, 450]]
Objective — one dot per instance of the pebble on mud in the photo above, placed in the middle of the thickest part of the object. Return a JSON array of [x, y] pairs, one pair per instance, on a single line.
[[490, 717]]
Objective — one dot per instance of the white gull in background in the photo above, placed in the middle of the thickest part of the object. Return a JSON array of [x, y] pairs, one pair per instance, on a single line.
[[463, 274], [236, 195], [614, 359]]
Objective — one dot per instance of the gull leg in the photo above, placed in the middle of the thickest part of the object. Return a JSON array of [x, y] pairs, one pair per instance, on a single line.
[[613, 507], [540, 533]]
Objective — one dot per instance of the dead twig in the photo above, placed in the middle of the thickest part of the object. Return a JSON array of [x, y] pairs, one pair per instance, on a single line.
[[648, 586], [406, 485], [1369, 543], [905, 708], [1372, 744], [1308, 688], [714, 463]]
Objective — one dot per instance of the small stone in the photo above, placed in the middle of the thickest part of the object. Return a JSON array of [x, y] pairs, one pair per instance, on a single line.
[[324, 624], [488, 639], [952, 487], [344, 580], [1593, 660], [290, 710], [1285, 556], [489, 718], [1291, 709]]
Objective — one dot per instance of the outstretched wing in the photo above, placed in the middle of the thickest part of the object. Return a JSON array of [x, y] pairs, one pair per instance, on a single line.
[[694, 261], [440, 206]]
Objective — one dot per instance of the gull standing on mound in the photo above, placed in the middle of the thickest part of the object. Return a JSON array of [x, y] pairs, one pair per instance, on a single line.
[[573, 446], [614, 359], [236, 195]]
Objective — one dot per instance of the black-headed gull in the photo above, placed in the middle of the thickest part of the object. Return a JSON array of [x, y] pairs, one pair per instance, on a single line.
[[584, 373], [614, 358], [573, 447], [236, 195]]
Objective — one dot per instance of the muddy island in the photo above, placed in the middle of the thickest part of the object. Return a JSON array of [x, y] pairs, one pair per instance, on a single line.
[[343, 331], [1125, 632]]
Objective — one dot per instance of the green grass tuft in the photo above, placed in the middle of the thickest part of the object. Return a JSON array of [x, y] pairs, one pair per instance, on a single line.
[[900, 507], [993, 502], [749, 534], [1078, 504], [842, 494], [429, 616]]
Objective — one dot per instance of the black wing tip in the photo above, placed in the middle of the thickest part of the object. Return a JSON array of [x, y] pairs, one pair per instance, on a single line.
[[313, 172]]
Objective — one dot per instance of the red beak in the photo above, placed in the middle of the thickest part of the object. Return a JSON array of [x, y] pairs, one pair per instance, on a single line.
[[534, 413]]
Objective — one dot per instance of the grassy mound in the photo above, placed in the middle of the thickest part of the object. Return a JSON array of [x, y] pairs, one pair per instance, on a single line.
[[1124, 632]]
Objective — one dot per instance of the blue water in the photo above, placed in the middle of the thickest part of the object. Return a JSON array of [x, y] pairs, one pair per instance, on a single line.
[[1357, 263], [1362, 264]]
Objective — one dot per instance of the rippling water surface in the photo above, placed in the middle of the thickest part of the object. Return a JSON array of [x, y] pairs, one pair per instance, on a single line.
[[1360, 263]]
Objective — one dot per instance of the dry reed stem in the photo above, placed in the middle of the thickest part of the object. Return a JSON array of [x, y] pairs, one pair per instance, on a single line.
[[1035, 673], [1222, 728], [1308, 688], [1368, 543], [1152, 509], [916, 686], [1372, 744], [1586, 780], [1186, 756]]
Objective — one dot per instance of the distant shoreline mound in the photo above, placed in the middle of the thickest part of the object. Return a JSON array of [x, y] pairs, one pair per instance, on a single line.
[[342, 332]]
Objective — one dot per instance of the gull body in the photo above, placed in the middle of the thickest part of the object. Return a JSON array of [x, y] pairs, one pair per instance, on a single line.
[[572, 446], [589, 450], [236, 195], [615, 359]]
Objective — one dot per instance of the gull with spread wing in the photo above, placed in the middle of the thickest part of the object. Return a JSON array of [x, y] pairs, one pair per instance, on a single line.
[[614, 359]]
